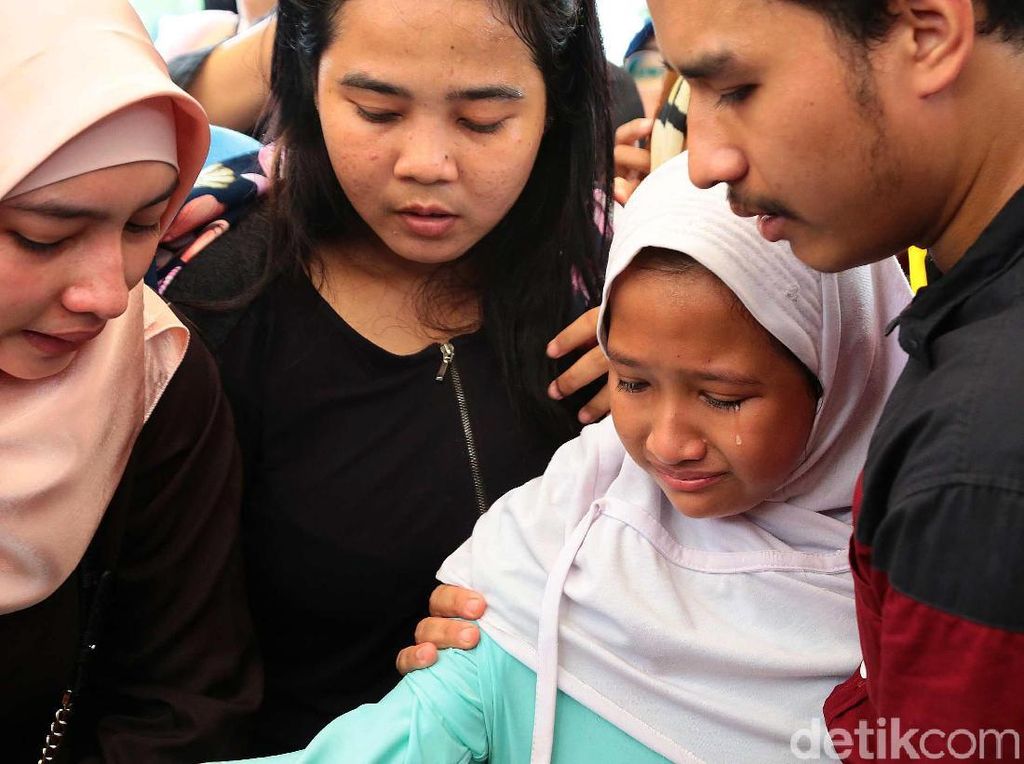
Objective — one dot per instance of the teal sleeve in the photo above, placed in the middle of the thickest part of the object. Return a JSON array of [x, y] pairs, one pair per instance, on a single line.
[[433, 716]]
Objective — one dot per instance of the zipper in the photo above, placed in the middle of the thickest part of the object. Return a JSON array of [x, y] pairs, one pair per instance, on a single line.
[[448, 364], [59, 725]]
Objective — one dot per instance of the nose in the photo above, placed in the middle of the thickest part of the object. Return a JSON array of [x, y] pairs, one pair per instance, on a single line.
[[426, 155], [714, 157], [99, 286], [672, 440]]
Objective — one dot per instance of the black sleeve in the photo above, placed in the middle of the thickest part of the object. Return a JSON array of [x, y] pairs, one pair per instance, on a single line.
[[178, 677]]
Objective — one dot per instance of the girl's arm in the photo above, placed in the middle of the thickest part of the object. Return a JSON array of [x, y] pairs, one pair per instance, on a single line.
[[435, 716]]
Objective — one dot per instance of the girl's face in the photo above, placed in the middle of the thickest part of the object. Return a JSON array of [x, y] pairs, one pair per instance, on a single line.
[[69, 253], [702, 398], [432, 112]]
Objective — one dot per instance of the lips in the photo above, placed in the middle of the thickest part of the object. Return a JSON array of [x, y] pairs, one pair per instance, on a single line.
[[60, 343], [427, 220], [689, 481]]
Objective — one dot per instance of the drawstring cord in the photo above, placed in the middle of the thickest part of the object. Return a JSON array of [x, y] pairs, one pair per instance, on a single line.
[[547, 642]]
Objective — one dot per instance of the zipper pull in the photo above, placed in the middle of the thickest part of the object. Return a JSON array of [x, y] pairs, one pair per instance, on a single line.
[[447, 355]]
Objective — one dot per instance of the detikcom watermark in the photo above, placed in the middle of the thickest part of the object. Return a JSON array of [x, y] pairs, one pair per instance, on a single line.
[[887, 740]]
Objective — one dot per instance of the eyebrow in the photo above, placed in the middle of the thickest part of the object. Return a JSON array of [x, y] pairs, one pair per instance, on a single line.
[[55, 209], [364, 81], [487, 93], [704, 376], [707, 67]]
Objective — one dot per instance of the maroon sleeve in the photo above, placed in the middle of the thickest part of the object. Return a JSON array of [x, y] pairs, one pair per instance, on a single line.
[[940, 687], [178, 676]]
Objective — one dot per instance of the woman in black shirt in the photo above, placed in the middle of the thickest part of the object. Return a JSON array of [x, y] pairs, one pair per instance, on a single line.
[[431, 225]]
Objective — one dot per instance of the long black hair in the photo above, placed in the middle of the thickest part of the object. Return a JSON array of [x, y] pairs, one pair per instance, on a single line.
[[545, 257]]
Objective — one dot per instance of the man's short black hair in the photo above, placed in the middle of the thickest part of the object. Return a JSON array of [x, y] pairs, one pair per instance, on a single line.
[[868, 21]]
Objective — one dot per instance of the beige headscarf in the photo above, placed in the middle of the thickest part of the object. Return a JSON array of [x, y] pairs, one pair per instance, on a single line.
[[65, 67]]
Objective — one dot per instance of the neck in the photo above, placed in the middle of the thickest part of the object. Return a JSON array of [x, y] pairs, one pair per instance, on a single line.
[[993, 152], [398, 304]]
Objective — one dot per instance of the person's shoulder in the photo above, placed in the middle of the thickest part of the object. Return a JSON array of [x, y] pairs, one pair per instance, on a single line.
[[228, 266]]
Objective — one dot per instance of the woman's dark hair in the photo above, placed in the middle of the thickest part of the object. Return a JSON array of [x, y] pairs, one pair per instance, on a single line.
[[869, 21], [536, 263]]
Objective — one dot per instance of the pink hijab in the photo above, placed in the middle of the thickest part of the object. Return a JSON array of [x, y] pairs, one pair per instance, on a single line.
[[65, 66]]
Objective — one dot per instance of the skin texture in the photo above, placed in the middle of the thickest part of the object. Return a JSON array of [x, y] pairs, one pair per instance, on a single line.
[[429, 144], [766, 120], [676, 344], [77, 275]]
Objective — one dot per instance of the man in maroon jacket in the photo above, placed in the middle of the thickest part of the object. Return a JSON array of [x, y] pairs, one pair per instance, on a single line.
[[854, 128]]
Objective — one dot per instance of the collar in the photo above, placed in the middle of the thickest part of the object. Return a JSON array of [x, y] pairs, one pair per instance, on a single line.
[[995, 252]]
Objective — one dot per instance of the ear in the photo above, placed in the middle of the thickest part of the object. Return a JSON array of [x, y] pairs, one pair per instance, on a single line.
[[936, 38]]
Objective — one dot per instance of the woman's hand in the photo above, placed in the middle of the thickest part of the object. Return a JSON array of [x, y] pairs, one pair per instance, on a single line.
[[581, 333], [632, 163], [441, 629]]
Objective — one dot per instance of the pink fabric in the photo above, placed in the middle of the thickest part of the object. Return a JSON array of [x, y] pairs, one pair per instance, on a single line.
[[141, 132], [64, 440]]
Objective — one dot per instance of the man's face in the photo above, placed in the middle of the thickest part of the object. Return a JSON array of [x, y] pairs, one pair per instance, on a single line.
[[793, 118]]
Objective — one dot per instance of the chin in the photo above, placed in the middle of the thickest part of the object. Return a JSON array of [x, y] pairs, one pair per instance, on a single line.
[[826, 257], [30, 369]]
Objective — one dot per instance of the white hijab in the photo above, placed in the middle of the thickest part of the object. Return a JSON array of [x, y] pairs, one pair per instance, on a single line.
[[82, 88], [706, 640]]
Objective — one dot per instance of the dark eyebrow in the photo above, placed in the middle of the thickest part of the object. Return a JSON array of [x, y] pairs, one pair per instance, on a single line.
[[707, 66], [487, 93], [622, 360], [55, 209], [366, 82], [704, 376]]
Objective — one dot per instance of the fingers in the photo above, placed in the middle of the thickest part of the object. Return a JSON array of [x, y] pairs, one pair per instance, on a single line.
[[632, 163], [629, 133], [589, 367], [455, 602], [581, 333], [447, 632], [598, 406], [416, 657], [623, 189]]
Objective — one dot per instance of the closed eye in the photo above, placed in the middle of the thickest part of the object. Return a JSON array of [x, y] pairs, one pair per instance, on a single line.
[[723, 404], [629, 386], [480, 127], [377, 117], [139, 229], [31, 245], [735, 96]]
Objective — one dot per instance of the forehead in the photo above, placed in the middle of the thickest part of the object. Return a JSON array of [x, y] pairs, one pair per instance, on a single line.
[[442, 31], [694, 33]]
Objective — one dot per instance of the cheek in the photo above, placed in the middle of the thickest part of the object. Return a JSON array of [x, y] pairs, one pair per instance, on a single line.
[[772, 440], [25, 294], [629, 420]]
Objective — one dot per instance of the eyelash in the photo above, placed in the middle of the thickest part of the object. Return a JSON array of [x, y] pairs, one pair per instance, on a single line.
[[385, 117], [633, 388], [735, 96], [721, 405], [376, 117], [44, 247], [39, 247], [135, 229], [626, 386]]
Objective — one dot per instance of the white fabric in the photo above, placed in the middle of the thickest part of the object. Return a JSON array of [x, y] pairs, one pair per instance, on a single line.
[[141, 132], [707, 640]]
